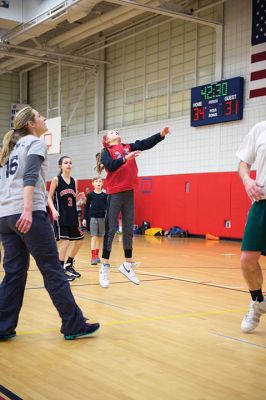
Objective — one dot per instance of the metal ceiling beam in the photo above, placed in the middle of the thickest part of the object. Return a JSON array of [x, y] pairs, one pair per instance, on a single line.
[[106, 44], [54, 12], [116, 37], [52, 53], [211, 5], [46, 60], [101, 41], [168, 13]]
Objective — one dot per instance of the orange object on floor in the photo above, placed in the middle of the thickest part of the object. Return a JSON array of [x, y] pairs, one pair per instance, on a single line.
[[209, 236]]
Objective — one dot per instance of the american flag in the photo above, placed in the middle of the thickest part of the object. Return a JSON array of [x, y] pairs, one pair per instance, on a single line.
[[258, 50]]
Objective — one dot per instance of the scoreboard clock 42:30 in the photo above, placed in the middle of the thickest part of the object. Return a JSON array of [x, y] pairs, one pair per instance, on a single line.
[[217, 102]]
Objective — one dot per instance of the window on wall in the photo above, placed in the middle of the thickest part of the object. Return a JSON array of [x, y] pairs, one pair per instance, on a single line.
[[113, 87], [206, 50], [77, 97], [157, 73], [206, 55], [180, 93], [151, 74], [77, 102], [9, 84], [37, 89], [133, 81], [182, 66]]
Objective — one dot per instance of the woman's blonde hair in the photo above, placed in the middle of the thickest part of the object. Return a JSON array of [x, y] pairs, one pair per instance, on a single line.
[[20, 129]]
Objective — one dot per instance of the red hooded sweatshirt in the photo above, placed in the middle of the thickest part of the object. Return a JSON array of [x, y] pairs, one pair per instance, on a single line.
[[122, 175], [126, 176]]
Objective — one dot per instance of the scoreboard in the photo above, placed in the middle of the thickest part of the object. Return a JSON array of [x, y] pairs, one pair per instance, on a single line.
[[217, 102]]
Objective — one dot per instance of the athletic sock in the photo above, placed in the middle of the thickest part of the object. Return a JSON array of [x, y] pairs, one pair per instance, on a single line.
[[257, 295], [97, 252], [62, 263], [70, 260], [93, 254]]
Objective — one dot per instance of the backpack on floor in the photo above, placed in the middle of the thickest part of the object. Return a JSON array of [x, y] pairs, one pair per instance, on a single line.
[[141, 230], [154, 232], [176, 231]]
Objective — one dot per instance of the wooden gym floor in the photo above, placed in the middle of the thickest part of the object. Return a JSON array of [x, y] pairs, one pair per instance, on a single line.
[[175, 336]]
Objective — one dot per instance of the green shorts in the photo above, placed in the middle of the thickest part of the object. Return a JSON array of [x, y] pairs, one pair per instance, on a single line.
[[254, 238]]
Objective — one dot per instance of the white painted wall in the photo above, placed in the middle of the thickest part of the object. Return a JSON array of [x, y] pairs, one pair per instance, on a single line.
[[33, 8], [187, 150], [14, 12], [26, 10], [191, 150]]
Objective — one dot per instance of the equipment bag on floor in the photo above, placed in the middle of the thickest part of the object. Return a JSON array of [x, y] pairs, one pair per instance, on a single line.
[[154, 232], [176, 231]]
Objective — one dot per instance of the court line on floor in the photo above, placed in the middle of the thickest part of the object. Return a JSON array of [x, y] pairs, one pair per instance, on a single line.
[[236, 339], [176, 278], [95, 268], [34, 287], [146, 319], [101, 302], [8, 394]]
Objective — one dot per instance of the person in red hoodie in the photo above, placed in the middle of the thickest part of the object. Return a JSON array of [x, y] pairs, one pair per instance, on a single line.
[[118, 159]]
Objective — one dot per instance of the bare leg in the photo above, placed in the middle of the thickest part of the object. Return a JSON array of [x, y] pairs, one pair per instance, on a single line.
[[63, 249], [251, 269], [74, 250], [253, 276], [97, 242], [94, 243]]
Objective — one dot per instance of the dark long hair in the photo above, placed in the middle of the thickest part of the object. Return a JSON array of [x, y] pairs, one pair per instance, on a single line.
[[60, 162]]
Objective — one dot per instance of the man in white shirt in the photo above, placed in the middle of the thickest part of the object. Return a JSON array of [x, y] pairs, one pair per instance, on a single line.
[[253, 149]]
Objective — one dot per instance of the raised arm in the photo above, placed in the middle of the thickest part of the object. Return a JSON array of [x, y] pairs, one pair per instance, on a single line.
[[151, 141]]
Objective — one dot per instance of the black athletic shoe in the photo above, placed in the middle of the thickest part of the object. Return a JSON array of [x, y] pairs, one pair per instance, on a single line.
[[68, 267], [8, 336], [87, 330], [70, 278]]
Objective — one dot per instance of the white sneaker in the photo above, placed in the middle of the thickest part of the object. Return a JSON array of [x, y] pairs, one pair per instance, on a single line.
[[127, 269], [262, 307], [252, 318], [104, 275]]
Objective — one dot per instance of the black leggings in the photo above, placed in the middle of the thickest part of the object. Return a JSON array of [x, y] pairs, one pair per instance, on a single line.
[[124, 202]]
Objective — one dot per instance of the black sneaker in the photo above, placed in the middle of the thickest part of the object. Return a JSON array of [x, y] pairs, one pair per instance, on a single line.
[[87, 330], [8, 336], [70, 278], [68, 267]]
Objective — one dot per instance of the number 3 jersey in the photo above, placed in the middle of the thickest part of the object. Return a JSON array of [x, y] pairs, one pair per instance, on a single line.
[[12, 173], [65, 202]]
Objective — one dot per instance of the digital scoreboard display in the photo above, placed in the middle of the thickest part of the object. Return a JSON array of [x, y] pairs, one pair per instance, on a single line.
[[217, 102]]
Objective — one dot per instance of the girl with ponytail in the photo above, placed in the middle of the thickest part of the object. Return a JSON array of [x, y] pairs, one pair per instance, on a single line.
[[25, 228], [118, 159]]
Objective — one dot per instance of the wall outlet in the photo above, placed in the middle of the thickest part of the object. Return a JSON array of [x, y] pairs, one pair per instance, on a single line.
[[227, 223]]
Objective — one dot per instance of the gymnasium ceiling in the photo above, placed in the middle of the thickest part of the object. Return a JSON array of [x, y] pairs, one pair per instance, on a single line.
[[72, 32]]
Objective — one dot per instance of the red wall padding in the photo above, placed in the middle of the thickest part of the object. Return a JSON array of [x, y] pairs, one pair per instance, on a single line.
[[212, 199]]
